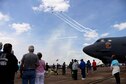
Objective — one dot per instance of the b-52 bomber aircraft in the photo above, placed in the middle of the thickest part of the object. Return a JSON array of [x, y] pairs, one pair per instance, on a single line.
[[103, 49]]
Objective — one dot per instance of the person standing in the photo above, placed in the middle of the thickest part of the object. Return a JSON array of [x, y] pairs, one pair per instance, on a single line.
[[8, 65], [64, 69], [29, 63], [82, 67], [47, 67], [75, 69], [1, 45], [70, 66], [115, 69], [88, 67], [40, 70], [18, 72], [57, 68], [94, 65], [53, 67]]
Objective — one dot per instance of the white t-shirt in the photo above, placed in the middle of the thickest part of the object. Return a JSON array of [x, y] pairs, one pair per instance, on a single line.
[[75, 66], [115, 67]]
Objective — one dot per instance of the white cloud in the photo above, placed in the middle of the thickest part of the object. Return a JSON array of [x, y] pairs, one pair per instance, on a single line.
[[7, 38], [120, 26], [53, 5], [21, 27], [4, 17], [105, 34], [18, 46], [91, 35], [59, 48]]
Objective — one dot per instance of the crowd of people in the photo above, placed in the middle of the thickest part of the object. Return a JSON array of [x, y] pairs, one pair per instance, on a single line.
[[33, 67], [85, 67]]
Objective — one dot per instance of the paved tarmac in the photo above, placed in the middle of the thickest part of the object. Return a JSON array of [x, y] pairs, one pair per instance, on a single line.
[[101, 76]]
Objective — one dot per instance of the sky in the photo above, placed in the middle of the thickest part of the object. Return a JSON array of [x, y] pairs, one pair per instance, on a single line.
[[60, 29]]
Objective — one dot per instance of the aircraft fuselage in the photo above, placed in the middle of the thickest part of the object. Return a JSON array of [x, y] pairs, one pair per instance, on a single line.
[[104, 48]]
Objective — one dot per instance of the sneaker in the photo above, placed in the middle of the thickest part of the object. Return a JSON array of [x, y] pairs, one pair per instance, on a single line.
[[83, 78]]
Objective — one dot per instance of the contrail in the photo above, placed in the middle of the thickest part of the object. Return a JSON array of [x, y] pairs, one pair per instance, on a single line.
[[82, 30], [71, 37], [69, 23], [76, 22]]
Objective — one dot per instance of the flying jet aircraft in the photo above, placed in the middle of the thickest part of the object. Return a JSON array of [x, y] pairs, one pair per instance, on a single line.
[[103, 49]]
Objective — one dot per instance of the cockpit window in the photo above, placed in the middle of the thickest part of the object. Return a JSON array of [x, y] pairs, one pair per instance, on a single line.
[[104, 40], [107, 45], [109, 40], [100, 40]]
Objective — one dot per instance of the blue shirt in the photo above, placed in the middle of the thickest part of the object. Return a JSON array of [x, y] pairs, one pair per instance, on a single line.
[[82, 65]]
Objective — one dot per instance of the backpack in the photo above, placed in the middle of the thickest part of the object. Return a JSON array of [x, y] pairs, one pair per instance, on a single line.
[[3, 66], [3, 60], [3, 63]]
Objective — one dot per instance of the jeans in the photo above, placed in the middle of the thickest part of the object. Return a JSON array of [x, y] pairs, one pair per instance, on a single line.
[[83, 73], [28, 77], [39, 78]]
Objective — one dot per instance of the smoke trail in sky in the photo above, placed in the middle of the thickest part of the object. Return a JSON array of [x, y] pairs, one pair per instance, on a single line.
[[88, 33], [58, 7], [74, 21], [70, 22]]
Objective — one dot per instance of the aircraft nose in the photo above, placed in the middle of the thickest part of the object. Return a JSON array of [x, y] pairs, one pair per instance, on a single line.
[[88, 50]]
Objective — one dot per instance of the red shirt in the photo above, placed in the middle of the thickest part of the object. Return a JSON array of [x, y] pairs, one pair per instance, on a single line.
[[94, 64]]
